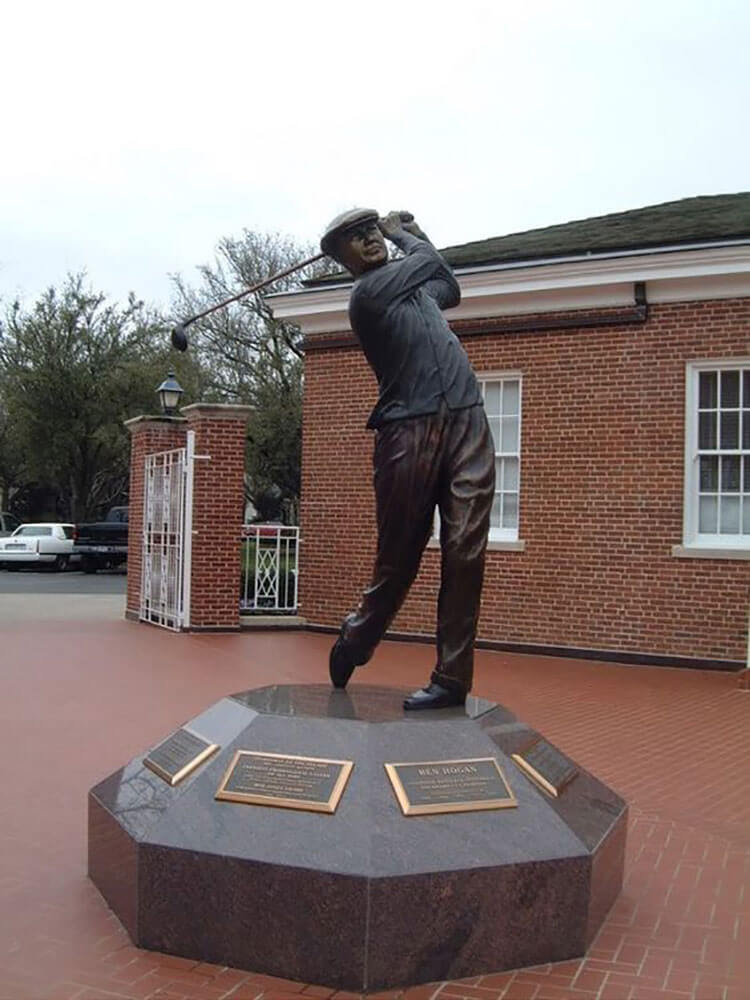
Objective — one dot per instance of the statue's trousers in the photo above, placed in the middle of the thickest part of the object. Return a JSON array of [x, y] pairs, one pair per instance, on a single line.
[[444, 460]]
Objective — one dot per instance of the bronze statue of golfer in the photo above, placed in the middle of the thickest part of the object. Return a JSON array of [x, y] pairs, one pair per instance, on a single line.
[[433, 446]]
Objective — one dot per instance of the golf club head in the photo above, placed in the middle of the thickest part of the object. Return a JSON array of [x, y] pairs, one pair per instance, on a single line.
[[179, 338]]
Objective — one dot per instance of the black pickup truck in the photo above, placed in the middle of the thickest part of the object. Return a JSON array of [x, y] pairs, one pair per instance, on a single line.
[[104, 544]]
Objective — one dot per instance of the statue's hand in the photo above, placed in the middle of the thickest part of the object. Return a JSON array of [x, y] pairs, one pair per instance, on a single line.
[[396, 222], [411, 226], [392, 223]]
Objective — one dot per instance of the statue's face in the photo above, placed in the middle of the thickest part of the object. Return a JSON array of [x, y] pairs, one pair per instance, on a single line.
[[362, 249]]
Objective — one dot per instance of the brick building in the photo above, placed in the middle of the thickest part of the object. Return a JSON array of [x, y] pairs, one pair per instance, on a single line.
[[614, 354]]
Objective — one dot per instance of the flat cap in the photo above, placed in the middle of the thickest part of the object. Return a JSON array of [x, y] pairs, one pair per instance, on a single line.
[[347, 220]]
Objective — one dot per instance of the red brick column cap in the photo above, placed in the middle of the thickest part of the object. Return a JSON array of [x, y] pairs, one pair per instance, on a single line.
[[153, 420], [216, 411]]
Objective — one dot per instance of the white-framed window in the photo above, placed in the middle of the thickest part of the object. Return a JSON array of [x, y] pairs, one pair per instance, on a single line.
[[502, 404], [717, 455]]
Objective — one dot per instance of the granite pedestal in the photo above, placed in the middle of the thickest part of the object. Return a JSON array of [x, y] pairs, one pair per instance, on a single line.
[[366, 898]]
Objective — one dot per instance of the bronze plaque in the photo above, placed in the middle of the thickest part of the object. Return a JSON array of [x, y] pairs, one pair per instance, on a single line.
[[546, 766], [179, 755], [445, 786], [276, 779]]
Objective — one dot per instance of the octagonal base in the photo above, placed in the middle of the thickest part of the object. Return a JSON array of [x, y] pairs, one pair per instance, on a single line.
[[366, 898]]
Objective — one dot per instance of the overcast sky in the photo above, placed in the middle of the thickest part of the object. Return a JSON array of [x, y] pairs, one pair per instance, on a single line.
[[136, 135]]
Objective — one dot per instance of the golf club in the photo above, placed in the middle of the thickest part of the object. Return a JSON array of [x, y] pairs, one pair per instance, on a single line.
[[179, 337]]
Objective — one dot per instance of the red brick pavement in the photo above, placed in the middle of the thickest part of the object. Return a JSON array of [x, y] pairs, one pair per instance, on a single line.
[[79, 699]]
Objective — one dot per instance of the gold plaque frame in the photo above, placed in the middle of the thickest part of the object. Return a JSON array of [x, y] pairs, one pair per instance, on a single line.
[[537, 777], [328, 805], [178, 776], [430, 809]]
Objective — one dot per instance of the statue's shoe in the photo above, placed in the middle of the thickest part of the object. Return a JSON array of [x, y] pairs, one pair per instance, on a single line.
[[340, 665], [434, 696]]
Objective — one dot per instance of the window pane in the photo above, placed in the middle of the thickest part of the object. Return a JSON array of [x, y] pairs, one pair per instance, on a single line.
[[707, 430], [510, 473], [495, 428], [499, 473], [510, 510], [510, 397], [730, 389], [492, 397], [730, 430], [746, 388], [730, 474], [730, 516], [509, 434], [746, 460], [709, 475], [746, 430], [707, 390], [707, 512], [746, 516], [496, 515]]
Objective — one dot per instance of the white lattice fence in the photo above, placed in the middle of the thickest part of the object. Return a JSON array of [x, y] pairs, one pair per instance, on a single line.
[[269, 568]]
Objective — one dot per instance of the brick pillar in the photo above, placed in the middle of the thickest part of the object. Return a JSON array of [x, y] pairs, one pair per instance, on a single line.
[[218, 507], [148, 435]]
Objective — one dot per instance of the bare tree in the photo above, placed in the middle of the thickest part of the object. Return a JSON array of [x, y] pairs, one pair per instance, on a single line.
[[248, 356]]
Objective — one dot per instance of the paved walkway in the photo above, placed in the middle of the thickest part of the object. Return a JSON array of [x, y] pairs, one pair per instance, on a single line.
[[81, 695]]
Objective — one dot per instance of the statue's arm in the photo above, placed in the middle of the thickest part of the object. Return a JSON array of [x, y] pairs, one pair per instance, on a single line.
[[445, 290], [421, 266], [443, 287]]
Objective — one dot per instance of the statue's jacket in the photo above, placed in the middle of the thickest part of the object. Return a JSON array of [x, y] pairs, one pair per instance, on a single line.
[[395, 313]]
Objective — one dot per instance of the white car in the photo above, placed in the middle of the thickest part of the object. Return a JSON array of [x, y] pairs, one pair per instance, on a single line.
[[48, 544]]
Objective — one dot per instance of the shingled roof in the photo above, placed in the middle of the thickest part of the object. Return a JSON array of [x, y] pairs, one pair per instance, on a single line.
[[705, 219], [700, 220]]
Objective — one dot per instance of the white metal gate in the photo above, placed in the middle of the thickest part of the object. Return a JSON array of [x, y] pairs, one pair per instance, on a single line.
[[167, 537]]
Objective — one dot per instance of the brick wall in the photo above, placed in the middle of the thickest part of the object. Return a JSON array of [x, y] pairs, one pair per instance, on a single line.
[[601, 491], [218, 508]]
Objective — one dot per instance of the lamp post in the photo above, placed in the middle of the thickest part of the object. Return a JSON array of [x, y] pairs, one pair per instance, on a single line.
[[169, 394]]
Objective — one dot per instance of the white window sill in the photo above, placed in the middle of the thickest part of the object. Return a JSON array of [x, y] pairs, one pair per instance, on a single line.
[[492, 546], [703, 552], [505, 546]]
